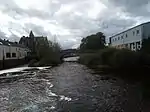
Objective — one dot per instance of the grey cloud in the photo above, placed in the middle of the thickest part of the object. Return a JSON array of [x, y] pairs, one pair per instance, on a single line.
[[38, 30], [2, 35], [14, 12], [14, 38], [78, 25], [12, 9], [68, 43], [114, 25], [134, 7]]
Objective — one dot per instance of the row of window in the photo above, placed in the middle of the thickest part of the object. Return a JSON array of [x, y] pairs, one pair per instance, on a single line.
[[13, 55], [120, 38], [132, 46], [8, 55]]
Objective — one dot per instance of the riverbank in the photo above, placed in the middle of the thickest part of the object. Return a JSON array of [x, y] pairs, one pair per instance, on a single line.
[[125, 64], [126, 73], [69, 87], [116, 60]]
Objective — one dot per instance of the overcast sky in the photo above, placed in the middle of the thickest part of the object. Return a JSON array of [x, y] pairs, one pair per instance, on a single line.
[[67, 21]]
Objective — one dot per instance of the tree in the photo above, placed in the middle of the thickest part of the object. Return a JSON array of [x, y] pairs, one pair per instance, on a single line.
[[48, 52], [102, 38], [93, 42]]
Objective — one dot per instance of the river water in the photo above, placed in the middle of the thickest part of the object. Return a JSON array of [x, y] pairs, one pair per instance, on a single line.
[[70, 87]]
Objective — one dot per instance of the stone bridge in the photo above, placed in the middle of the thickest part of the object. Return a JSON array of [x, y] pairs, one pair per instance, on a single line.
[[69, 53]]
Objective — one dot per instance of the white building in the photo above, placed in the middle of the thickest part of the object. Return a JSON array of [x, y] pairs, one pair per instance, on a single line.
[[131, 38], [12, 51]]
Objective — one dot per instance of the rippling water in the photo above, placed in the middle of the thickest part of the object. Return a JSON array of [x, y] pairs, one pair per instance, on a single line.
[[70, 87]]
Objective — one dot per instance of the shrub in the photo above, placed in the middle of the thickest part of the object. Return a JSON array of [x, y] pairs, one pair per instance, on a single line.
[[125, 59], [32, 63], [116, 58], [106, 55], [89, 59], [48, 54]]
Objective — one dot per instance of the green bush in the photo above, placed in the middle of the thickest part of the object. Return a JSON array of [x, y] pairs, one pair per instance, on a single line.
[[47, 53], [125, 59], [106, 55], [49, 61], [89, 59], [32, 63], [116, 58]]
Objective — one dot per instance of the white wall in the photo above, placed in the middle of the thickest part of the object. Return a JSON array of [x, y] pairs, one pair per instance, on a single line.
[[131, 37], [14, 50], [20, 52], [7, 49]]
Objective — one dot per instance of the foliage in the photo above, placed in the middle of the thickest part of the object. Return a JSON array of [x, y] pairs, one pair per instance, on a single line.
[[33, 63], [48, 53], [146, 46], [90, 59], [93, 42], [125, 63], [125, 59], [116, 58]]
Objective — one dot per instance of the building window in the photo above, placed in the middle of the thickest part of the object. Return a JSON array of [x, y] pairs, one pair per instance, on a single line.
[[133, 33], [134, 46], [115, 39], [126, 45], [121, 37], [138, 45], [118, 38], [8, 55], [13, 54], [126, 35], [137, 32]]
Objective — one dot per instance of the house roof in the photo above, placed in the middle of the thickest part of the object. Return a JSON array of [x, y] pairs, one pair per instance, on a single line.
[[8, 43], [3, 42]]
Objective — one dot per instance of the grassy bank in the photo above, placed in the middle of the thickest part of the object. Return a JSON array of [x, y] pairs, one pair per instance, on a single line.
[[125, 64], [118, 61]]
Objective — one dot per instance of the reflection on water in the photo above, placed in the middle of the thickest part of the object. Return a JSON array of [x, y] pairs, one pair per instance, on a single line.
[[69, 87]]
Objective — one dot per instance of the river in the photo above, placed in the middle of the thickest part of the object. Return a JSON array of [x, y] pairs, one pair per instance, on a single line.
[[70, 87]]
